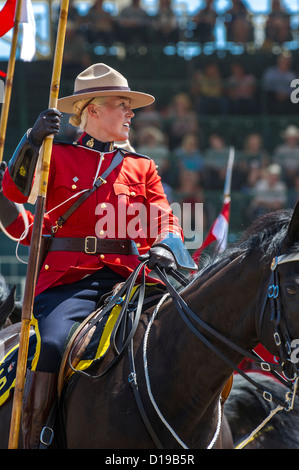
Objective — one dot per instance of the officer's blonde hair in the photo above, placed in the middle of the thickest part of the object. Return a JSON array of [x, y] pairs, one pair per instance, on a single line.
[[79, 118]]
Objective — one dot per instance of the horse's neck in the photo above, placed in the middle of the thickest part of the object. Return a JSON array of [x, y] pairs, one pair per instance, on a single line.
[[227, 303]]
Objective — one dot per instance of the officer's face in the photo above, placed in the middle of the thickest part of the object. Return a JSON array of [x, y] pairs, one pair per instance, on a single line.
[[113, 118]]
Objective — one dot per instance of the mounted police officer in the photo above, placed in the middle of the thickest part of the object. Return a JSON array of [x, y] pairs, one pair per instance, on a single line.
[[97, 244]]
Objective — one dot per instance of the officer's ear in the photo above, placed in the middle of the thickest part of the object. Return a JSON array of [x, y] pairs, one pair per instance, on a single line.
[[93, 110]]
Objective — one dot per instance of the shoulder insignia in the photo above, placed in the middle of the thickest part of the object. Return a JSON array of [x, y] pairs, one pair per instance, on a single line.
[[129, 153], [61, 142]]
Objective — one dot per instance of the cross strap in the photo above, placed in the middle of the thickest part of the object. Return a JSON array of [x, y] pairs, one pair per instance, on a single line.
[[118, 158]]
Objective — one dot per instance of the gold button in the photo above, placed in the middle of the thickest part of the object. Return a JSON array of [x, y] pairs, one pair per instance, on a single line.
[[132, 193], [103, 205], [102, 232], [74, 186], [138, 245], [102, 256], [46, 267]]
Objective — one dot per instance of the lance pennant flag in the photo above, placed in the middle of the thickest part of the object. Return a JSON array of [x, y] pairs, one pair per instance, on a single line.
[[219, 231], [29, 30], [7, 16]]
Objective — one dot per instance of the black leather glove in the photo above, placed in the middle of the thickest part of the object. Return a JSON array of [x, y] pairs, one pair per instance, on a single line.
[[47, 123], [3, 167], [161, 257]]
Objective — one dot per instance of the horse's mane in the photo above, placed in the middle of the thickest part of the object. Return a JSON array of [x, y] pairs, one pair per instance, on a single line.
[[265, 234], [15, 314], [4, 290]]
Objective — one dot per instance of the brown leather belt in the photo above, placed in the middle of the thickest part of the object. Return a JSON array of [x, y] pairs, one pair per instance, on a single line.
[[92, 245]]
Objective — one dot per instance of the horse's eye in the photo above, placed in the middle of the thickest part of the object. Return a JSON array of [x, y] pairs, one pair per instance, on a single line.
[[290, 290]]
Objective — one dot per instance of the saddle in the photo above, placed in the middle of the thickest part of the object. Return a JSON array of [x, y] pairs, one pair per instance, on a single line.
[[103, 330]]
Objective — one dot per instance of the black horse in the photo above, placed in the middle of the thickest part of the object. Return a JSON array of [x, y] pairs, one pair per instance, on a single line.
[[167, 391]]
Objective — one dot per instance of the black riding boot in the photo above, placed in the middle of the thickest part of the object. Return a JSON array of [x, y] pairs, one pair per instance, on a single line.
[[39, 396]]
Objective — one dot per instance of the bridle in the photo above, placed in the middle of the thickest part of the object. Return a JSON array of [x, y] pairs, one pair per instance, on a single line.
[[281, 336]]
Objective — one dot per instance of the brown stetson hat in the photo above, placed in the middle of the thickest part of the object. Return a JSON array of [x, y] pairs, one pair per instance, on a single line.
[[102, 80]]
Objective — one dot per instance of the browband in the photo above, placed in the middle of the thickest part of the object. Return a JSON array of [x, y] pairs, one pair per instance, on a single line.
[[287, 258]]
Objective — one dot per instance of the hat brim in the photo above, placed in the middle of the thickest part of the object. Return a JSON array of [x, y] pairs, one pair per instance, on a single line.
[[138, 99]]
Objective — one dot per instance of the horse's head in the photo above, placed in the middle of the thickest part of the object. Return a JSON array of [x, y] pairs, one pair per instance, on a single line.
[[279, 319]]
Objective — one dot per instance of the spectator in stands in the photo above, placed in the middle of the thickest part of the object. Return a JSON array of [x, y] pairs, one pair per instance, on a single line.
[[189, 193], [239, 23], [215, 162], [73, 15], [165, 24], [254, 174], [254, 150], [241, 90], [216, 154], [287, 153], [278, 28], [204, 23], [269, 193], [207, 90], [133, 24], [152, 141], [76, 48], [182, 119], [250, 163], [148, 116], [100, 24], [276, 82], [188, 153]]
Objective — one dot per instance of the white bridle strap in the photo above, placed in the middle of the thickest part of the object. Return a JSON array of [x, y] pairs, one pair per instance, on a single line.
[[287, 258]]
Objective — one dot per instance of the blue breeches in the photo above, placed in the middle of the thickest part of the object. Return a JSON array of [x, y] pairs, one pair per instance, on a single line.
[[56, 310]]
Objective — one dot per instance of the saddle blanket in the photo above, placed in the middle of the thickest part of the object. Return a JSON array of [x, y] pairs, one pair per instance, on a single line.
[[9, 348]]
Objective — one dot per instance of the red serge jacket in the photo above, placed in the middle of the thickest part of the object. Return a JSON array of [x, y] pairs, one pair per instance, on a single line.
[[132, 204]]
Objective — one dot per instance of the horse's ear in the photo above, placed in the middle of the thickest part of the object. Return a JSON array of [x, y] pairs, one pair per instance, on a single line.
[[293, 229]]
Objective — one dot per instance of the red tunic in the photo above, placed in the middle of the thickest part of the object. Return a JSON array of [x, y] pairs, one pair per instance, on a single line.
[[132, 204]]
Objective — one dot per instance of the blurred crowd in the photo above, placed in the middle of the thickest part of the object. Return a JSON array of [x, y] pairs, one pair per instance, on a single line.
[[133, 25], [191, 164], [240, 92], [214, 90]]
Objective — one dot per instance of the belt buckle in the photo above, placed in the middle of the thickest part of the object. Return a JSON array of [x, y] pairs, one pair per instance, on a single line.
[[86, 249]]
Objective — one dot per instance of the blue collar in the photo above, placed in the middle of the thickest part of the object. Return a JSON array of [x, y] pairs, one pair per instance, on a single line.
[[95, 144]]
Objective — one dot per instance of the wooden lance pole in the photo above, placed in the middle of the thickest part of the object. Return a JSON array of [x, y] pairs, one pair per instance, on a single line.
[[36, 238], [9, 78]]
